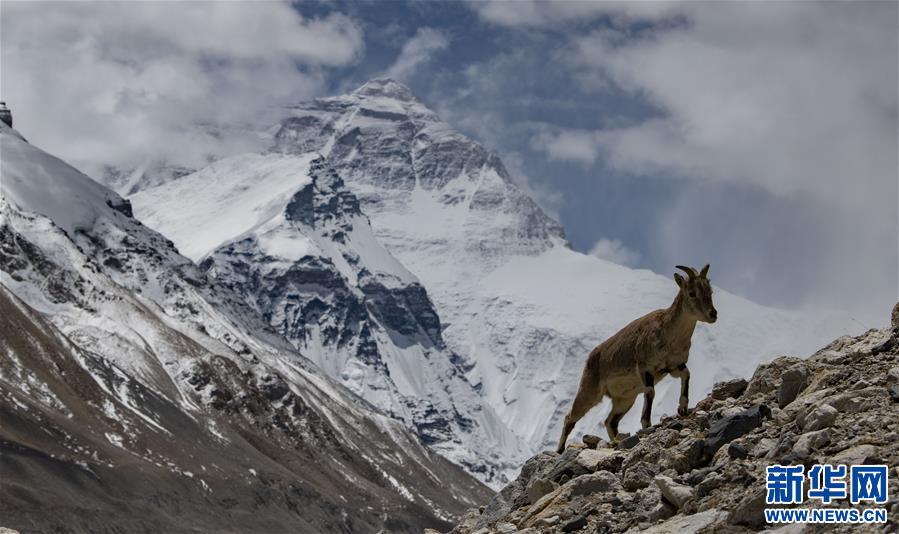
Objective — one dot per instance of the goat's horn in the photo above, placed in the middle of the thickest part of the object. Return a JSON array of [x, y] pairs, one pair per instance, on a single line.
[[689, 270]]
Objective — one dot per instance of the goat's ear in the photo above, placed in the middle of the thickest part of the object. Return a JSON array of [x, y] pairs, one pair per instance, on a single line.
[[679, 279], [704, 271]]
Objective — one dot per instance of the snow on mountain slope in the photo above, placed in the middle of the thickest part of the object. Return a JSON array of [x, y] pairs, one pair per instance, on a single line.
[[285, 233], [516, 302], [136, 394]]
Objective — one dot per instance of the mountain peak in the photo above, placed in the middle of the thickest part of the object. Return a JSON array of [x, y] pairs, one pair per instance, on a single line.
[[385, 87]]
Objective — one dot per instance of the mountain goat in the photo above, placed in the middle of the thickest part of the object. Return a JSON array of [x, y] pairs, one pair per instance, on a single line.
[[642, 353]]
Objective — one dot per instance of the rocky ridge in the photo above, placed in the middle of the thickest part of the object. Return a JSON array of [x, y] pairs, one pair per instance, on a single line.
[[706, 472]]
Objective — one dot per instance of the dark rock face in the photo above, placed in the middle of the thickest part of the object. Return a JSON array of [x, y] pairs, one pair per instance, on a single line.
[[313, 291], [5, 114], [732, 427], [337, 305], [705, 472], [122, 206]]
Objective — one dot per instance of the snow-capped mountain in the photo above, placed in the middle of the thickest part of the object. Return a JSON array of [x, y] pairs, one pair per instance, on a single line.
[[514, 299], [137, 394], [285, 233]]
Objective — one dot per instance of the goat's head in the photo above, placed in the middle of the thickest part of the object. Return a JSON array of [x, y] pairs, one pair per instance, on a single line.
[[696, 290]]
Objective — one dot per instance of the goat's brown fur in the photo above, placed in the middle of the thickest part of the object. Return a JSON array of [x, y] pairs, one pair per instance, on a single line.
[[642, 353]]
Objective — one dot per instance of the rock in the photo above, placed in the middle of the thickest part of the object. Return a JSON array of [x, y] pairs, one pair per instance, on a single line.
[[893, 375], [484, 530], [598, 482], [548, 521], [763, 447], [684, 524], [820, 417], [792, 382], [661, 511], [833, 357], [894, 392], [732, 427], [708, 484], [591, 441], [854, 455], [784, 445], [861, 384], [566, 464], [537, 488], [857, 405], [574, 524], [629, 442], [767, 376], [729, 389], [811, 441], [750, 510], [506, 528], [638, 476], [426, 531], [593, 459], [844, 402], [545, 504], [684, 456], [737, 451], [673, 492]]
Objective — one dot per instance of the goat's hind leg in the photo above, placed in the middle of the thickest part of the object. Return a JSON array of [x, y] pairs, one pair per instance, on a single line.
[[620, 406], [649, 394], [586, 399]]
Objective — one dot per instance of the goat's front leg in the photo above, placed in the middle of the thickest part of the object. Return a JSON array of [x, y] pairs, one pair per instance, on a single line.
[[684, 374], [649, 393]]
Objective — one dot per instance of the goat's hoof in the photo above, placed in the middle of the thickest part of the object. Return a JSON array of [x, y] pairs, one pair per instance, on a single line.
[[645, 424], [683, 411]]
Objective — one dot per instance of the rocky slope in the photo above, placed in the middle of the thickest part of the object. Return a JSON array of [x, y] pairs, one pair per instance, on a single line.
[[516, 303], [137, 395], [706, 472]]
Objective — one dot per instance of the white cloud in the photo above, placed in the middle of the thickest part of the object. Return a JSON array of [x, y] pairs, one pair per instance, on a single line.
[[116, 83], [417, 51], [553, 14], [615, 251], [579, 146], [746, 97]]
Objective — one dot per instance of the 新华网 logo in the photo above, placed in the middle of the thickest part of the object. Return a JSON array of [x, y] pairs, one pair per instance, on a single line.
[[860, 484]]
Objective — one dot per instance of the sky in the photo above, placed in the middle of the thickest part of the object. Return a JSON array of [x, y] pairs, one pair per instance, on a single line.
[[760, 137]]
